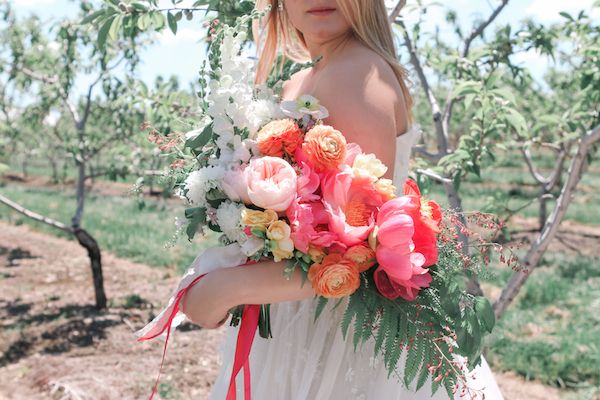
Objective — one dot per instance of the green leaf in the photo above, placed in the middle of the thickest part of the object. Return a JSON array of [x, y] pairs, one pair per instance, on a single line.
[[320, 306], [103, 32], [199, 141], [413, 360], [424, 373], [197, 216], [514, 118], [143, 22], [158, 20], [566, 15], [172, 22], [139, 6], [485, 313], [113, 32], [466, 87], [92, 17]]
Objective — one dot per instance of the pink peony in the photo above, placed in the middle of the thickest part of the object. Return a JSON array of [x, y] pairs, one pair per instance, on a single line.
[[407, 289], [400, 272], [351, 203], [271, 183], [308, 183], [309, 225], [352, 150]]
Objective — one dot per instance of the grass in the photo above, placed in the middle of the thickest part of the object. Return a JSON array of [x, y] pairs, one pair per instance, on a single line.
[[552, 332], [511, 187], [116, 222]]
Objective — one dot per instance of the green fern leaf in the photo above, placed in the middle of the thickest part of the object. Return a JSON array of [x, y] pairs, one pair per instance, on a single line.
[[348, 316], [424, 373], [320, 306], [413, 360]]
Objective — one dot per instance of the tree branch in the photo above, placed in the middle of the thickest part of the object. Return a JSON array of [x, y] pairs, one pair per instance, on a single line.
[[442, 136], [35, 216], [479, 30], [396, 11], [548, 232], [532, 170], [465, 52]]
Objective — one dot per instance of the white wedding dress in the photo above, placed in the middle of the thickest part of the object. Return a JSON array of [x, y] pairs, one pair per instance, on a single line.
[[308, 360]]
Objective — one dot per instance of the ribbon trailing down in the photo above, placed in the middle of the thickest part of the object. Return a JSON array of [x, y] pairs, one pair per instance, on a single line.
[[209, 260]]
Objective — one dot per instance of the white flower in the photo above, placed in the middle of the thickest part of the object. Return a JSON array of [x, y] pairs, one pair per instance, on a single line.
[[261, 112], [304, 105], [199, 182], [229, 216]]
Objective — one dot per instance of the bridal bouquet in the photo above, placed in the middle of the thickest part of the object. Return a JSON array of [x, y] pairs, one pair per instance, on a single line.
[[279, 184]]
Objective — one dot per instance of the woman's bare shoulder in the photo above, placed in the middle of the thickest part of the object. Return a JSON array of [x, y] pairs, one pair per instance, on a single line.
[[364, 84]]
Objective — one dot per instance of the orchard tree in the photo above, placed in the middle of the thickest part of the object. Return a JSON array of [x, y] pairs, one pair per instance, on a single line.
[[477, 109], [470, 99], [38, 71]]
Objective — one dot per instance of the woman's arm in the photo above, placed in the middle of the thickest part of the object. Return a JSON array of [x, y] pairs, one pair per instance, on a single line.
[[208, 301]]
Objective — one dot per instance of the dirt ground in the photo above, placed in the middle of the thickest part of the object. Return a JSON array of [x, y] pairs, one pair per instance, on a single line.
[[54, 345]]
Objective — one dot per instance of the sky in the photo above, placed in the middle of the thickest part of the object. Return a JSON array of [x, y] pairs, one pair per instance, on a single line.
[[182, 55]]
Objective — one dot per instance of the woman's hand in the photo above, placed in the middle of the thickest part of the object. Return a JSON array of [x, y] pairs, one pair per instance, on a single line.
[[207, 302]]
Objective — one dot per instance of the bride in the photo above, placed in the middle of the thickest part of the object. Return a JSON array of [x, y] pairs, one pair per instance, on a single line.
[[362, 85]]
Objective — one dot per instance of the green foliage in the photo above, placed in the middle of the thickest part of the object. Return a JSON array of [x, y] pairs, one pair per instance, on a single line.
[[422, 329]]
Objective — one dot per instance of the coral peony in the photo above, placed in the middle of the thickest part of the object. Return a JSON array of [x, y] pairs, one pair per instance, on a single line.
[[279, 137], [324, 147], [427, 219], [334, 277], [271, 183], [351, 203]]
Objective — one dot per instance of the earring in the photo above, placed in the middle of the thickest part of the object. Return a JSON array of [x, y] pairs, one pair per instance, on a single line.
[[280, 6]]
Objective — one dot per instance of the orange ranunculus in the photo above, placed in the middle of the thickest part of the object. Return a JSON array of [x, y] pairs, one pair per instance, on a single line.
[[324, 147], [334, 277], [279, 137], [361, 255]]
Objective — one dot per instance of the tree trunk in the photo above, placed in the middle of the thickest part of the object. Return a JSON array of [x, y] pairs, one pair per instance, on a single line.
[[90, 244], [540, 245], [543, 216]]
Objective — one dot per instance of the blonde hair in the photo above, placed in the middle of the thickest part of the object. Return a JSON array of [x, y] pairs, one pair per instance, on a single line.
[[368, 20]]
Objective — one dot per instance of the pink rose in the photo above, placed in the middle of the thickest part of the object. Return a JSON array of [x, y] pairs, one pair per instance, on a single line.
[[271, 183]]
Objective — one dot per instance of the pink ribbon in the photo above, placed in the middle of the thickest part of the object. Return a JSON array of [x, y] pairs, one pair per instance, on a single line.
[[242, 350], [246, 334]]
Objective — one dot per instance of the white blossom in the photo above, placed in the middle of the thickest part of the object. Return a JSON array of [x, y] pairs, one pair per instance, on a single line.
[[229, 216], [199, 182]]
